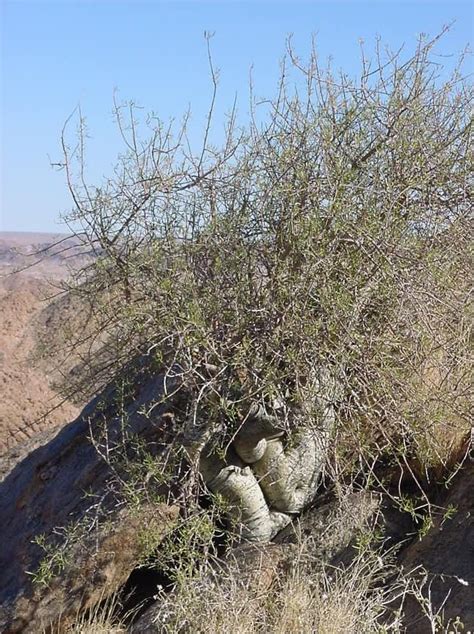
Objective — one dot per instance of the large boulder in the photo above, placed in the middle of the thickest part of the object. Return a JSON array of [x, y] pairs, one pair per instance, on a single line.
[[68, 537]]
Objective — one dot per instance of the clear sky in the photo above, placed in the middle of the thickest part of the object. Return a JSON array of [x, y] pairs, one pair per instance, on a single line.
[[58, 54]]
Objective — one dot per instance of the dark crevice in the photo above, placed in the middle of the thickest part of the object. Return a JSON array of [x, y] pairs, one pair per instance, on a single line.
[[140, 590]]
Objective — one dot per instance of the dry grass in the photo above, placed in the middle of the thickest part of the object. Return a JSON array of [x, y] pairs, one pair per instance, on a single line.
[[281, 591], [102, 619], [330, 602]]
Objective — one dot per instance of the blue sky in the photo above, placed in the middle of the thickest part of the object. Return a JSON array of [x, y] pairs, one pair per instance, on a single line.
[[56, 55]]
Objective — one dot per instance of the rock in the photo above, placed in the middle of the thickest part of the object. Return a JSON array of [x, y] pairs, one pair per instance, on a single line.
[[93, 568], [20, 451], [444, 558], [258, 566], [65, 495], [247, 572], [71, 530], [330, 527]]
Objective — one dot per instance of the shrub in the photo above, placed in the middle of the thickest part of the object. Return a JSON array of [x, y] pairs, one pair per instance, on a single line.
[[331, 231]]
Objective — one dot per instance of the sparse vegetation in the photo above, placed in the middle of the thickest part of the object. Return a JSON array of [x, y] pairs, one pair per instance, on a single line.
[[332, 231], [100, 620], [367, 596], [331, 235]]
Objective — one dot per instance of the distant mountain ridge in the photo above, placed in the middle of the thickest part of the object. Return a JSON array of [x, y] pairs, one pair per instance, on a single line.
[[41, 254]]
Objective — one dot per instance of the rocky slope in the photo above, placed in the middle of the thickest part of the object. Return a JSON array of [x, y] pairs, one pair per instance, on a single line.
[[84, 503], [31, 268], [81, 513]]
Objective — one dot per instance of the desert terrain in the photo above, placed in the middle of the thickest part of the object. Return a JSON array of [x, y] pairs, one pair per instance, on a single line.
[[32, 267]]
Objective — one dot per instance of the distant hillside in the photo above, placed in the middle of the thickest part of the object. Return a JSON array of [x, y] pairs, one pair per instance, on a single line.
[[31, 265], [41, 254]]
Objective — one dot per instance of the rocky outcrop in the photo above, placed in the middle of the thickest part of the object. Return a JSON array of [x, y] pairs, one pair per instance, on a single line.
[[71, 529], [442, 562], [86, 571], [67, 538]]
